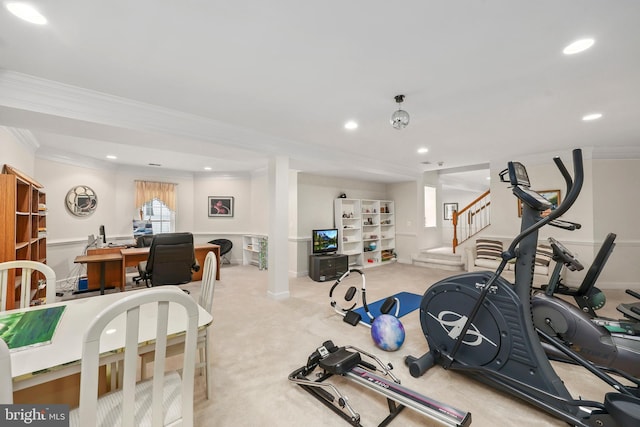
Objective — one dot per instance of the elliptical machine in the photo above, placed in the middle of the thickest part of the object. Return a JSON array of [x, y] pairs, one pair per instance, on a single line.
[[611, 344], [480, 324]]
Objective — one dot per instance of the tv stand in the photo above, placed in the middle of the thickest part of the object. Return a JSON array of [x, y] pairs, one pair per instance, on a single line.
[[327, 266]]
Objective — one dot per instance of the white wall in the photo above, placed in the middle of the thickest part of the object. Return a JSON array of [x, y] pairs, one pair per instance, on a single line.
[[405, 196], [429, 237], [607, 204], [315, 207], [615, 210], [16, 153]]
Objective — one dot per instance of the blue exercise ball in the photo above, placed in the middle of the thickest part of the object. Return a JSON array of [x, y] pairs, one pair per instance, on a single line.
[[387, 332]]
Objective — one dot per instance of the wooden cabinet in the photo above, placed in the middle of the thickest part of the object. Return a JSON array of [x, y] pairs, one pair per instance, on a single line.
[[23, 227], [366, 230]]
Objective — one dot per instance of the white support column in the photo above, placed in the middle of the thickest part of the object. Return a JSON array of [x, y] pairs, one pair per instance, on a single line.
[[278, 254]]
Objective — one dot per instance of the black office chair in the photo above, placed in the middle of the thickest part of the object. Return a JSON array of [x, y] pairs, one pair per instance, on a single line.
[[171, 260], [225, 248], [144, 241]]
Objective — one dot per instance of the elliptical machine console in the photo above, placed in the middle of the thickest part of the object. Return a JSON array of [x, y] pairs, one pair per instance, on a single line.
[[481, 324]]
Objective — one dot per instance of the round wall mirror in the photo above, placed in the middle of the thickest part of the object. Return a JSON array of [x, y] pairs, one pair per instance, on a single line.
[[81, 200]]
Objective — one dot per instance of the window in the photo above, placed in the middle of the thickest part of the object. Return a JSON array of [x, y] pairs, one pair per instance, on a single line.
[[161, 217], [430, 212], [157, 203]]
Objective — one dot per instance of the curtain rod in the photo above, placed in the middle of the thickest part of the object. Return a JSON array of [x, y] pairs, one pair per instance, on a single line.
[[155, 182]]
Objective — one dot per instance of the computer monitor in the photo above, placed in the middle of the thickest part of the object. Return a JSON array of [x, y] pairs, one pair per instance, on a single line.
[[102, 235], [142, 228]]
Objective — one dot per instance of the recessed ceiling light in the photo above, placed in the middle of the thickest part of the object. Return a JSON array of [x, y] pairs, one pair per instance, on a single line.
[[26, 12], [578, 46], [590, 117], [423, 150], [207, 168], [351, 125], [111, 156]]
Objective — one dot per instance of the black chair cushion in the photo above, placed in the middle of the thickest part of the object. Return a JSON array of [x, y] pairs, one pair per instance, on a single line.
[[225, 245]]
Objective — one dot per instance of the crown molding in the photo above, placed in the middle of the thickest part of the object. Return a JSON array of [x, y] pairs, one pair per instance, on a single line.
[[30, 93], [24, 137]]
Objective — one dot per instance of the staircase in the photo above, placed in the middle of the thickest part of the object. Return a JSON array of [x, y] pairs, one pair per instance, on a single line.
[[442, 258]]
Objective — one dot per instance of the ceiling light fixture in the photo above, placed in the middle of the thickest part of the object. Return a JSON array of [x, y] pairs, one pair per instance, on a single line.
[[578, 46], [399, 119], [207, 168], [351, 125], [590, 117], [111, 157], [26, 12], [423, 150]]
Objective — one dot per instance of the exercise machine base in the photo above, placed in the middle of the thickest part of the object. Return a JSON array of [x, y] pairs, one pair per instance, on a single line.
[[332, 360]]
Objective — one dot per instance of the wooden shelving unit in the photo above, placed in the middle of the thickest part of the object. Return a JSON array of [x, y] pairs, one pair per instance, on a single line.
[[23, 227]]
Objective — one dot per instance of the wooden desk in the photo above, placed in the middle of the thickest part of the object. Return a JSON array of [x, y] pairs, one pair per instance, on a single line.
[[39, 365], [113, 272], [131, 257], [103, 261]]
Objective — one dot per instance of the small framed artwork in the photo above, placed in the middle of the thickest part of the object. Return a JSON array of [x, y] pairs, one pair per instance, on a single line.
[[220, 206], [553, 196], [449, 209]]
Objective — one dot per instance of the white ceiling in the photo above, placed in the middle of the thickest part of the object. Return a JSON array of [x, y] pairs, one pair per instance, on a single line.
[[189, 84]]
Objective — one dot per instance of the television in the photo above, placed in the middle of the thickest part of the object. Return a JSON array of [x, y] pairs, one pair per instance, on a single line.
[[324, 241]]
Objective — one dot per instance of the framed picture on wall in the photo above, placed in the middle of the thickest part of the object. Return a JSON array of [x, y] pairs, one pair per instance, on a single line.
[[552, 196], [220, 206], [449, 209]]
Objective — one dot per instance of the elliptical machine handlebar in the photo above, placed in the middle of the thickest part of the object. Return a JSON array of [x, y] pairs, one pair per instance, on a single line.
[[573, 190], [565, 225]]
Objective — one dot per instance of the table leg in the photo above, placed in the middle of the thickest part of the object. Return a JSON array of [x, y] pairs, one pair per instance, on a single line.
[[102, 278]]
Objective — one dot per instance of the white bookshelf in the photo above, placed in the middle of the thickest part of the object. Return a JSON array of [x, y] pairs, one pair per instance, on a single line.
[[254, 250], [366, 230]]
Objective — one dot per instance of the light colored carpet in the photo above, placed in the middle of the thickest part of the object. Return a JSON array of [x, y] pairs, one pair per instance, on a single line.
[[257, 341]]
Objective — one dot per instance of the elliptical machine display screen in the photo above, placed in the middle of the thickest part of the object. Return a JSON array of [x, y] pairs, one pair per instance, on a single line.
[[518, 174]]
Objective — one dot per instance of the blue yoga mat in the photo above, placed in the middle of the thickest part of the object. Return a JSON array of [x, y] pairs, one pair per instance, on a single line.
[[408, 303]]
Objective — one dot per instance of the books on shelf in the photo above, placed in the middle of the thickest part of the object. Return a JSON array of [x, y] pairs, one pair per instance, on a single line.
[[26, 329]]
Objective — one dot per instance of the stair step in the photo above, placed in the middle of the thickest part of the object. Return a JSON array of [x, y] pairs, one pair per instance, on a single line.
[[442, 258], [438, 263]]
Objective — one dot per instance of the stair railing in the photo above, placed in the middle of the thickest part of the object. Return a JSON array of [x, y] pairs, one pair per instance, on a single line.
[[471, 219]]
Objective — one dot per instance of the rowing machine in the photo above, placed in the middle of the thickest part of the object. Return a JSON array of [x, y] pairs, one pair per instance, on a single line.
[[347, 362]]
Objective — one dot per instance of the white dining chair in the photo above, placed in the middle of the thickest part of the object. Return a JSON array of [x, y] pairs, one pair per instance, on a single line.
[[164, 400], [6, 382], [205, 301], [28, 267]]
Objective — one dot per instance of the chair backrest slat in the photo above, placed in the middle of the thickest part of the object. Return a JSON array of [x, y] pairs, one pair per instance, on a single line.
[[208, 282], [27, 267]]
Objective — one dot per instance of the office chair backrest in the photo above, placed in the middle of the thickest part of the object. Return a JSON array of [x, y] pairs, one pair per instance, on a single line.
[[144, 241], [28, 269], [171, 259]]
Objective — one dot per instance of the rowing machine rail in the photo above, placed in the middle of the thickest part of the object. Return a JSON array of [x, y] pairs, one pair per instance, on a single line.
[[332, 360]]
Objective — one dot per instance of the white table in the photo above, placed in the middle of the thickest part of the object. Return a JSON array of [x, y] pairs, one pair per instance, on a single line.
[[48, 362]]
